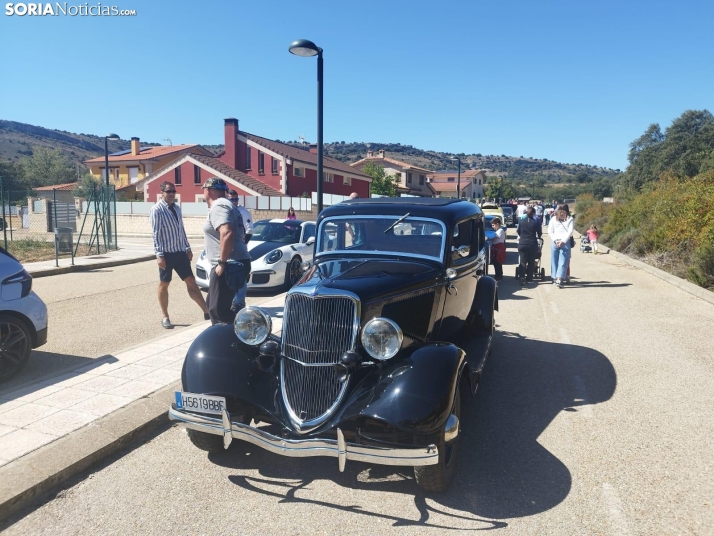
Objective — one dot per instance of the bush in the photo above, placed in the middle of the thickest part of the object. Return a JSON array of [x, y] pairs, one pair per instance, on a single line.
[[671, 220]]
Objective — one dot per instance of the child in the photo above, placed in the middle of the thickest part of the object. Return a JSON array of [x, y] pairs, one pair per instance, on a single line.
[[592, 236]]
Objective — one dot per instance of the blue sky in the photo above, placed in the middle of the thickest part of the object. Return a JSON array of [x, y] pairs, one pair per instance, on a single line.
[[569, 81]]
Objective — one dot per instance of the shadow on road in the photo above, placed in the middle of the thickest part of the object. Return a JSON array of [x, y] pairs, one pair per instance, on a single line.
[[503, 471], [46, 368]]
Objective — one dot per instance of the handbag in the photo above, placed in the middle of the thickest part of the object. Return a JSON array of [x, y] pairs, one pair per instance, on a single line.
[[572, 242], [498, 253]]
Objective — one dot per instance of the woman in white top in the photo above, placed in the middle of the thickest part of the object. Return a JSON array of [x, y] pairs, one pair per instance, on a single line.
[[498, 248], [560, 229]]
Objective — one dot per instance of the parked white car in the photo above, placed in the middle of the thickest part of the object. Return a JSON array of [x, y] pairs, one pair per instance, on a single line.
[[23, 317], [277, 250]]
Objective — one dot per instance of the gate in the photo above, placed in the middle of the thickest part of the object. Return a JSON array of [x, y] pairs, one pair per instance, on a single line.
[[61, 215]]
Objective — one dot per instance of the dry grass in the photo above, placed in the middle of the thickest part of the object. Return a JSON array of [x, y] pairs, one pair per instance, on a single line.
[[30, 250]]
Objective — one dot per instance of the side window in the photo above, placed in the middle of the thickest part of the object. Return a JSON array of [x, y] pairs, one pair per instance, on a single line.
[[308, 232], [463, 235]]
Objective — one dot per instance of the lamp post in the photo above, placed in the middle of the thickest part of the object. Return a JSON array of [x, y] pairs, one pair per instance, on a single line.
[[306, 49], [458, 180], [106, 154], [107, 208]]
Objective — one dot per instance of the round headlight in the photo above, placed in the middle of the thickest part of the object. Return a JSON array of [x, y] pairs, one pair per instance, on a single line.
[[274, 256], [252, 325], [382, 338]]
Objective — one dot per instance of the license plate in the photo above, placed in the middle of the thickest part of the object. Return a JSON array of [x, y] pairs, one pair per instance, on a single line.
[[200, 403]]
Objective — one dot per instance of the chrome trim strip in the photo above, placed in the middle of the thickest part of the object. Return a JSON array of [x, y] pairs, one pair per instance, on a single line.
[[303, 448]]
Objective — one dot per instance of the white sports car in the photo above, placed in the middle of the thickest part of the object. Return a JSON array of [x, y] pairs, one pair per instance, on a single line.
[[277, 249]]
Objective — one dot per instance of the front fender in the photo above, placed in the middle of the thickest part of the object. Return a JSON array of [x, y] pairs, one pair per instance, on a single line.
[[218, 363], [416, 393]]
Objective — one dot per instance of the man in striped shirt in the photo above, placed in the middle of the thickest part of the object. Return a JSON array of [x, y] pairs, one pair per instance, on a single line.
[[173, 251]]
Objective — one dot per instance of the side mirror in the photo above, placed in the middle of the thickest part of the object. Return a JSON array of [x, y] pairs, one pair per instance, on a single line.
[[310, 240]]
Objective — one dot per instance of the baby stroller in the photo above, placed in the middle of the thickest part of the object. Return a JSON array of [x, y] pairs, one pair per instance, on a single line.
[[538, 271], [585, 246]]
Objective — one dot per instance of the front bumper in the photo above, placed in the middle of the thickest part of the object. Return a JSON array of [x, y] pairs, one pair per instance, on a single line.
[[303, 448]]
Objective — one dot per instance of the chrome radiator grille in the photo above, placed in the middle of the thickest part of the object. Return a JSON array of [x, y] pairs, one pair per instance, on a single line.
[[317, 331]]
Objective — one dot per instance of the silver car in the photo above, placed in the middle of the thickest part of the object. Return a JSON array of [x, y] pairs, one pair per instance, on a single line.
[[23, 317]]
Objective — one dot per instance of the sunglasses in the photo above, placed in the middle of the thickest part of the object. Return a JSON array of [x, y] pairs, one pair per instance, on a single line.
[[233, 199], [169, 191]]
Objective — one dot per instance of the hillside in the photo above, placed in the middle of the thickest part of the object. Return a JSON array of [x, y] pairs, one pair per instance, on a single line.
[[17, 140]]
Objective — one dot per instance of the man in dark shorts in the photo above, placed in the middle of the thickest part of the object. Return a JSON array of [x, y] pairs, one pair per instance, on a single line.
[[173, 251]]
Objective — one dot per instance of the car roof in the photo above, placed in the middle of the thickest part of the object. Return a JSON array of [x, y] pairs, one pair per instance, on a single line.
[[280, 220], [447, 210]]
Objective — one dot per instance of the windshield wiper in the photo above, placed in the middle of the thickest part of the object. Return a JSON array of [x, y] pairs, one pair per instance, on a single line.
[[400, 220]]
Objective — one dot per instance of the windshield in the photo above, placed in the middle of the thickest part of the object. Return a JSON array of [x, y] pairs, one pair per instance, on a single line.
[[285, 233], [415, 237]]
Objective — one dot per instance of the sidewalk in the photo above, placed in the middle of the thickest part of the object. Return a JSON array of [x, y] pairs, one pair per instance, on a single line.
[[130, 250]]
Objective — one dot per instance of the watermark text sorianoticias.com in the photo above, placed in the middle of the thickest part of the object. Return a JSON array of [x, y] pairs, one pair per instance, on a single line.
[[57, 9]]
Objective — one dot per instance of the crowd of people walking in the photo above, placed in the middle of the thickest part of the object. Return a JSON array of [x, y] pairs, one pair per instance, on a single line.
[[530, 219]]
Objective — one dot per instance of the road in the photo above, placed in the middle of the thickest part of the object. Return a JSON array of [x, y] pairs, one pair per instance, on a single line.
[[595, 417], [100, 312]]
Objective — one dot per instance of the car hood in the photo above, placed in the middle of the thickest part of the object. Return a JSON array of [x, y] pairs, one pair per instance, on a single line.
[[259, 248], [369, 279]]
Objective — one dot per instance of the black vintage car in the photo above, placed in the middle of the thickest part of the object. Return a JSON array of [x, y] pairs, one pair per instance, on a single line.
[[381, 337]]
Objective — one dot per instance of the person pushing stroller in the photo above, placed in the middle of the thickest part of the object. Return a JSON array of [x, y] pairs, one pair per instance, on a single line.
[[529, 231]]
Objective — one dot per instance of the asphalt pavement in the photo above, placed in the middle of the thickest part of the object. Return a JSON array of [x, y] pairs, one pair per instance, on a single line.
[[595, 417]]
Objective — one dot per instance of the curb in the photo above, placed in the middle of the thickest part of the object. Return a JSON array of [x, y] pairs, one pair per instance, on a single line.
[[26, 479], [87, 267], [678, 282]]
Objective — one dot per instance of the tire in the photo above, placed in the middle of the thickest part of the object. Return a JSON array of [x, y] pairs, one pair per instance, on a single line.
[[293, 272], [517, 272], [437, 478], [208, 442], [15, 346], [542, 274]]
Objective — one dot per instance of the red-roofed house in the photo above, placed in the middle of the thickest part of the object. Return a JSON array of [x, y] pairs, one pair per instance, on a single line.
[[444, 183], [253, 165], [411, 179], [60, 192], [131, 166]]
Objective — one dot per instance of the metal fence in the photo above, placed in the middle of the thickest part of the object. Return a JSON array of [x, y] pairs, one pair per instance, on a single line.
[[29, 218]]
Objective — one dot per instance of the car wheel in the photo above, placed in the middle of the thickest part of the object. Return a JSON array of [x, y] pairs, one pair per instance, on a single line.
[[293, 272], [437, 478], [15, 346], [208, 442]]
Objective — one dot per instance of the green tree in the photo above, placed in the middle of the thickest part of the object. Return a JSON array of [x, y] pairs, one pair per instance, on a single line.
[[582, 177], [85, 186], [382, 183], [47, 167]]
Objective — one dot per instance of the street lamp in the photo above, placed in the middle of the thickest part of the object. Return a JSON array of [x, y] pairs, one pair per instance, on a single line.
[[458, 180], [106, 154], [306, 49], [107, 208]]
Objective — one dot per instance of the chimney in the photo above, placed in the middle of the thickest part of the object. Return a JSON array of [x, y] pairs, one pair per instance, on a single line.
[[135, 150], [381, 153], [370, 154], [230, 157], [313, 148]]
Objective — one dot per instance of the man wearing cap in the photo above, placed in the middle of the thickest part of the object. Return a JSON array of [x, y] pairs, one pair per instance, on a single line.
[[239, 299], [224, 235], [172, 250]]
